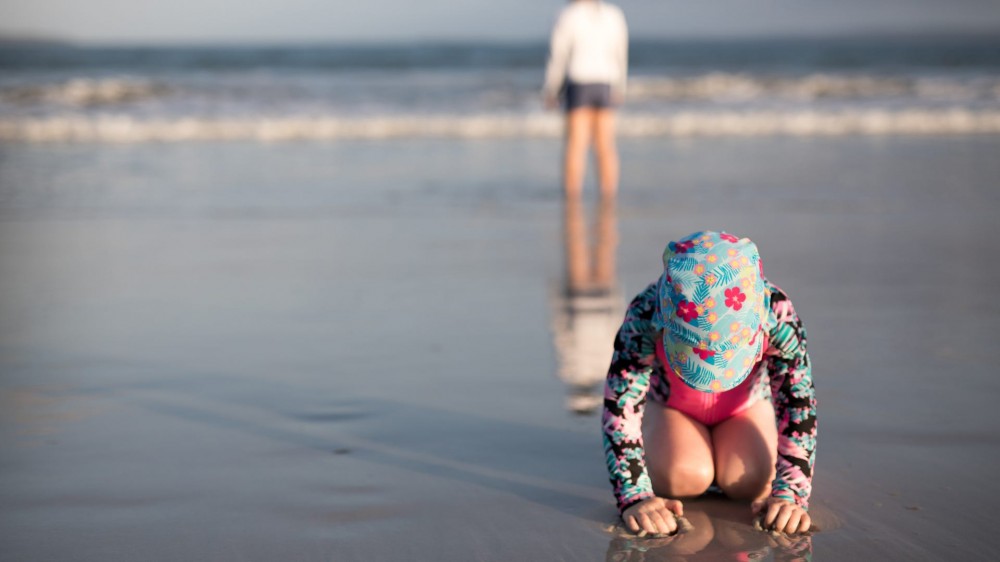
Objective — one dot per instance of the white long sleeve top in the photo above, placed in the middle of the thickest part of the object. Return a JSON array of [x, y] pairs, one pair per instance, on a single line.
[[589, 44]]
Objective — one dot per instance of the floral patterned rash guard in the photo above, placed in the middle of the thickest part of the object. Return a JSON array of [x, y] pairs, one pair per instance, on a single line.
[[784, 376]]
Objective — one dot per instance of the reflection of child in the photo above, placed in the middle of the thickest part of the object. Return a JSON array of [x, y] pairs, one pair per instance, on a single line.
[[588, 306], [722, 354]]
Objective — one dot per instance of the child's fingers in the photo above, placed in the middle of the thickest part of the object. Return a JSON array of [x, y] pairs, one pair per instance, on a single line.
[[805, 523], [676, 506], [662, 528], [783, 516], [792, 525], [672, 525], [647, 523], [657, 522], [772, 513], [656, 516], [670, 521]]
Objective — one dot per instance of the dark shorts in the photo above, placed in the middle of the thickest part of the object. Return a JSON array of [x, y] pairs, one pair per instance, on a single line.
[[597, 96]]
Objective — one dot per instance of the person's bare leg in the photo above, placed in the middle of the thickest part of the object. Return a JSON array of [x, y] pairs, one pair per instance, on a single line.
[[579, 126], [607, 151], [746, 448], [678, 452]]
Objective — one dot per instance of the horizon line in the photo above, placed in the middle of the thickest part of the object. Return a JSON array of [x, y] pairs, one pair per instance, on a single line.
[[8, 38]]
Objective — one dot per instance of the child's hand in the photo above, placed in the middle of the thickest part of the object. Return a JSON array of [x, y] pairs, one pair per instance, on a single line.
[[782, 516], [654, 515]]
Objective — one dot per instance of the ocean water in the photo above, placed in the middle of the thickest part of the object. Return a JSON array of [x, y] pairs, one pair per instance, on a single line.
[[476, 90]]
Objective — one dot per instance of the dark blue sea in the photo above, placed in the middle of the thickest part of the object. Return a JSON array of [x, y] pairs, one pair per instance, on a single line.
[[868, 85]]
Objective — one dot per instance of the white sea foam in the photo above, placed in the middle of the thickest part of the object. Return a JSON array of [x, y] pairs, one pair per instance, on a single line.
[[264, 91], [129, 129], [730, 86], [85, 92]]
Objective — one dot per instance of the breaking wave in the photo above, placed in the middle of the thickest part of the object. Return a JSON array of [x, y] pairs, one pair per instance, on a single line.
[[111, 93], [129, 129], [85, 92], [727, 86]]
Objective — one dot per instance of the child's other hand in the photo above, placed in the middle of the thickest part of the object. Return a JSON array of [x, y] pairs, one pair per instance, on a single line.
[[782, 515], [654, 515]]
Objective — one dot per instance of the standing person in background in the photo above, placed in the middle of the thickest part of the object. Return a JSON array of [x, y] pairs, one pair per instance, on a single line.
[[588, 64]]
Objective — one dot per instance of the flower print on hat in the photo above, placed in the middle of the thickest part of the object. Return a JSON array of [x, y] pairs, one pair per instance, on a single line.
[[712, 284]]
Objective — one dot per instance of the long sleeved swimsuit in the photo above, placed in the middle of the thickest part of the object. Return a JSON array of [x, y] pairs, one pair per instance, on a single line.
[[783, 375]]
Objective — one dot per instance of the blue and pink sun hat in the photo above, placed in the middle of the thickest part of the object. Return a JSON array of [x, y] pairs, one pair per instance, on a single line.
[[714, 309]]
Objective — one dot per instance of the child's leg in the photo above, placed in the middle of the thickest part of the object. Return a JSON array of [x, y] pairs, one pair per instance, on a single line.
[[678, 452], [746, 448], [607, 151], [579, 125]]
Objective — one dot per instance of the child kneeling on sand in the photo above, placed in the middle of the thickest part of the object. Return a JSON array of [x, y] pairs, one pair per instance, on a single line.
[[722, 355]]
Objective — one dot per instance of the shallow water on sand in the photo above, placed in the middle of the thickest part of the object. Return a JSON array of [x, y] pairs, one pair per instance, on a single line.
[[345, 351]]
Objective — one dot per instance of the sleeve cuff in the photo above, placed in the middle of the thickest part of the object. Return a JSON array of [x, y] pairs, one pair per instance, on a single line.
[[784, 495], [626, 503]]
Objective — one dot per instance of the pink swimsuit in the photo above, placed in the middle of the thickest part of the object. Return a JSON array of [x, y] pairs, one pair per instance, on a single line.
[[708, 408]]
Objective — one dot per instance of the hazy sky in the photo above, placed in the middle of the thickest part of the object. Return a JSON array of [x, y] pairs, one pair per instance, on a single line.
[[342, 20]]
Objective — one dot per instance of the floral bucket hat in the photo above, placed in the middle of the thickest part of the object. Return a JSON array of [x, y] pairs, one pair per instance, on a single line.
[[714, 309]]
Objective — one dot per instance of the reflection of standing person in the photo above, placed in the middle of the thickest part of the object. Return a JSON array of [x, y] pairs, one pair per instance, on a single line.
[[722, 354], [588, 63], [588, 307]]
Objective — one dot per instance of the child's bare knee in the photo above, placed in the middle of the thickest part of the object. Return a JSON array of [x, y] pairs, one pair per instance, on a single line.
[[750, 484], [683, 480]]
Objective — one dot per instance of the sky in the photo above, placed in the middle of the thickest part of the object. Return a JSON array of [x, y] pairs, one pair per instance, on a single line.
[[292, 21]]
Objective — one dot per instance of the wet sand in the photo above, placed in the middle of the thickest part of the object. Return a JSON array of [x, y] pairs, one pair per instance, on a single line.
[[345, 351]]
